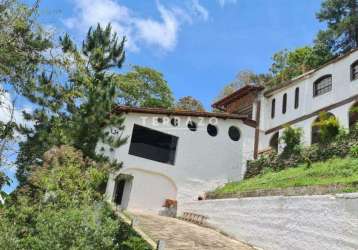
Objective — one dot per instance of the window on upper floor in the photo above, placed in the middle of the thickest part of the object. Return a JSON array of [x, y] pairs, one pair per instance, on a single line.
[[354, 70], [322, 85], [297, 97], [273, 104], [153, 145], [284, 103]]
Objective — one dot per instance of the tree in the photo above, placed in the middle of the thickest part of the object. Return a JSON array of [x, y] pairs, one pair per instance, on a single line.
[[66, 209], [75, 112], [244, 77], [189, 103], [289, 64], [22, 46], [341, 17], [22, 43], [144, 87]]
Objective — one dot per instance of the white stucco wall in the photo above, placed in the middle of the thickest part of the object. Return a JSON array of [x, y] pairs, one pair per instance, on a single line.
[[202, 162], [342, 88], [301, 222]]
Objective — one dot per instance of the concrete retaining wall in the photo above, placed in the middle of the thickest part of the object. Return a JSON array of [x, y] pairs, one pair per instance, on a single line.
[[299, 222]]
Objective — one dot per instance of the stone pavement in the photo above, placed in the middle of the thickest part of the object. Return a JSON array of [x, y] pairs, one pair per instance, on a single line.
[[181, 235]]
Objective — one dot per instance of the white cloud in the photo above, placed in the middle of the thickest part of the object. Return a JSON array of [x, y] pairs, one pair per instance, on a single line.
[[91, 12], [161, 32], [200, 10], [222, 3], [7, 109]]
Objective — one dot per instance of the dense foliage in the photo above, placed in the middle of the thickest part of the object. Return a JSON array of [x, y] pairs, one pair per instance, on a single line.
[[22, 43], [340, 145], [75, 112], [328, 127], [341, 17], [291, 138], [289, 64], [61, 207], [189, 103], [243, 78], [144, 87]]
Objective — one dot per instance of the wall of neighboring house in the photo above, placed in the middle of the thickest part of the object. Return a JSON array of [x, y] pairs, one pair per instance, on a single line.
[[342, 89], [202, 162]]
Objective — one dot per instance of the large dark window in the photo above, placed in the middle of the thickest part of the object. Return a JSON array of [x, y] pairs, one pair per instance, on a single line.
[[153, 145], [322, 85], [354, 71], [297, 97], [273, 107], [284, 103]]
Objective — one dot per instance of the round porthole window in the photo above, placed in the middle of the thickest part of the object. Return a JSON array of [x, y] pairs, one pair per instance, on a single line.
[[234, 133], [174, 122], [212, 130], [192, 126]]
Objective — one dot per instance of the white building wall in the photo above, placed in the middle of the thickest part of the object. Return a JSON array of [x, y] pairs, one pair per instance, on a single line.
[[202, 162], [280, 223], [342, 88]]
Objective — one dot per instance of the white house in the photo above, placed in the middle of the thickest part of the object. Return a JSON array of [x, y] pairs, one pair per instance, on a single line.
[[178, 155], [332, 88]]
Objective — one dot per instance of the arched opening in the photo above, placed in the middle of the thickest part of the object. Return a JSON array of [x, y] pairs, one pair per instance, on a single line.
[[354, 71], [274, 142], [353, 115], [149, 189], [315, 132]]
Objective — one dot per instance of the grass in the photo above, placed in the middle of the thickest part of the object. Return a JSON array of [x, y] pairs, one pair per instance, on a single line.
[[334, 171]]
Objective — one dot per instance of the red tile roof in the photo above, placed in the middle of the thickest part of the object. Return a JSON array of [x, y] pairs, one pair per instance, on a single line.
[[236, 95], [176, 112]]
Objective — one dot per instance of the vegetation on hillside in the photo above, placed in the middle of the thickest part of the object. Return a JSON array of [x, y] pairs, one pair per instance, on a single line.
[[329, 141], [331, 172], [332, 160], [61, 207], [59, 202]]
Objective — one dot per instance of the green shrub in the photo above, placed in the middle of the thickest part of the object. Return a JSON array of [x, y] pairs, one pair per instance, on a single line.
[[292, 140], [354, 151], [63, 208], [345, 143], [328, 126]]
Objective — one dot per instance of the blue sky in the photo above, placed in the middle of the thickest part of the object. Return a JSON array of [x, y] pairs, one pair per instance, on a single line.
[[199, 45]]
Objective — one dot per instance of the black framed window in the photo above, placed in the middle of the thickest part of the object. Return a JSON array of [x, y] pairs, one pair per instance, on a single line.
[[192, 126], [174, 121], [322, 85], [354, 70], [273, 107], [234, 133], [212, 130], [284, 103], [153, 145], [297, 97]]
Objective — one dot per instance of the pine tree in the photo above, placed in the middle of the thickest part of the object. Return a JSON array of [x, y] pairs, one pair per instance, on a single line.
[[76, 111], [341, 17]]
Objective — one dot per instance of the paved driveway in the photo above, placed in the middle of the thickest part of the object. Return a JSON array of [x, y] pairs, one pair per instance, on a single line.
[[181, 235]]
